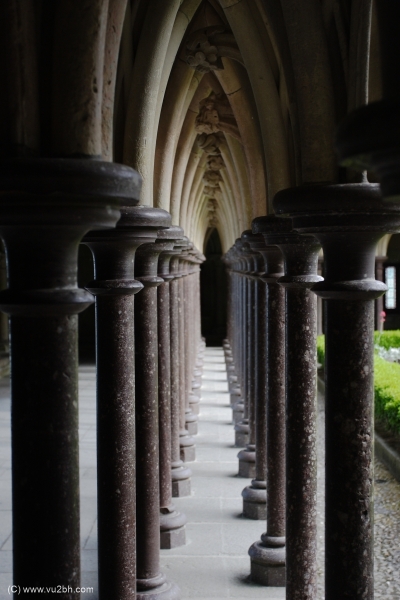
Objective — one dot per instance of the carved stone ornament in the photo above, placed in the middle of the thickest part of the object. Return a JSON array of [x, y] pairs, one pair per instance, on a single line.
[[212, 178], [215, 163], [206, 47], [212, 204], [208, 190], [215, 114], [201, 54], [210, 143], [213, 221]]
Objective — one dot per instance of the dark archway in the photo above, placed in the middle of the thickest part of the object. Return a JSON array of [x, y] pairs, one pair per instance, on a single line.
[[213, 291]]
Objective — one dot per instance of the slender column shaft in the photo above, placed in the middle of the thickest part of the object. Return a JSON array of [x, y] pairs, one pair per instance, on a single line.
[[247, 456], [301, 457], [45, 451], [148, 503], [164, 393], [349, 452], [188, 452], [276, 492]]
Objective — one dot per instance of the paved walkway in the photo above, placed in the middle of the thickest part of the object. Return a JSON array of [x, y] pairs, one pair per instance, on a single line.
[[214, 563]]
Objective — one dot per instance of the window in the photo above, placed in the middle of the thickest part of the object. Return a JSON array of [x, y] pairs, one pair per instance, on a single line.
[[390, 298]]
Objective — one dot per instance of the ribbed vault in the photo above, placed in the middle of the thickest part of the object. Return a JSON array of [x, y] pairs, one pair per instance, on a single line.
[[219, 104]]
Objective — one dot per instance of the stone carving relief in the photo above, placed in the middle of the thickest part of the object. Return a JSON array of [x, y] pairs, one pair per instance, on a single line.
[[212, 178], [215, 163], [206, 47], [210, 143], [216, 114]]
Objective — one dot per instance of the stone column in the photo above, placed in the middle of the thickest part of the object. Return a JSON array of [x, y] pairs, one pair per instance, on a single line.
[[191, 406], [172, 522], [188, 449], [149, 578], [254, 496], [233, 369], [180, 473], [348, 220], [231, 346], [247, 457], [46, 207], [301, 260], [114, 288], [195, 348], [241, 408], [268, 555]]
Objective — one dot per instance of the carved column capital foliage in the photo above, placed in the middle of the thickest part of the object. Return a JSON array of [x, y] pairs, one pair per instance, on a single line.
[[206, 47]]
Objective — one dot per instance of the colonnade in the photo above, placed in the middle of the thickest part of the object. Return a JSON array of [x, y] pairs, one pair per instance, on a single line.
[[148, 347], [274, 344]]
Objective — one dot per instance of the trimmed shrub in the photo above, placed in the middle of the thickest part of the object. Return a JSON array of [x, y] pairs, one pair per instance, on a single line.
[[321, 349], [386, 380], [387, 392], [387, 339]]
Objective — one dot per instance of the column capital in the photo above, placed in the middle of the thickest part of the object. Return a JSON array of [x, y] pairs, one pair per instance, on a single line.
[[46, 206], [273, 257], [149, 220], [173, 234], [348, 220], [300, 253]]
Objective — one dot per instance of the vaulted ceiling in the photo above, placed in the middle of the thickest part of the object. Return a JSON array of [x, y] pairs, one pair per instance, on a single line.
[[218, 104]]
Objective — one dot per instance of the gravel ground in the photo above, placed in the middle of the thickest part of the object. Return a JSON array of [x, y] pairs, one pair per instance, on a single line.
[[387, 524]]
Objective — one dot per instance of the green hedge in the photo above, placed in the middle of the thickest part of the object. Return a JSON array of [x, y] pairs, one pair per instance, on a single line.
[[388, 339], [386, 381], [321, 349]]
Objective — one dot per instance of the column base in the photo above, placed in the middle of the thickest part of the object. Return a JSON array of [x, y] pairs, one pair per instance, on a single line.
[[192, 427], [165, 591], [268, 564], [247, 462], [255, 501], [180, 476], [172, 528], [187, 449], [191, 422], [241, 434], [194, 403], [181, 488], [237, 412], [173, 538]]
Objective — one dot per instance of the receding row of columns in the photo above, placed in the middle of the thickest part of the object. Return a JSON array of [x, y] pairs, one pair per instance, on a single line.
[[148, 354], [272, 369]]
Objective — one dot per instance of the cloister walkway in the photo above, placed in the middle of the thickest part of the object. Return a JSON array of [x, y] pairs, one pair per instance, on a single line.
[[214, 563]]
